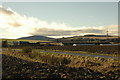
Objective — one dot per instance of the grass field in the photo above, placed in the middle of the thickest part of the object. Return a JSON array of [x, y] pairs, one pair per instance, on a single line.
[[104, 68], [24, 40], [26, 69]]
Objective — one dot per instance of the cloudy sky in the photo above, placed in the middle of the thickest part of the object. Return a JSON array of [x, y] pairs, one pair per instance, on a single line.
[[57, 19]]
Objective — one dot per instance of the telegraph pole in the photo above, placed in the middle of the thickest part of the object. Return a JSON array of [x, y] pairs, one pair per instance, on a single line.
[[107, 32], [107, 35]]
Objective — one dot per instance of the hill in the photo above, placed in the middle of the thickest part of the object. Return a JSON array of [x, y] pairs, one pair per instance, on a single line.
[[36, 37], [90, 37]]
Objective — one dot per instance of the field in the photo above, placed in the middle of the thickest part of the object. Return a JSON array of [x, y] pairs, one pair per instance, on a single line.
[[10, 40], [34, 61], [38, 64], [94, 49], [26, 69], [112, 37]]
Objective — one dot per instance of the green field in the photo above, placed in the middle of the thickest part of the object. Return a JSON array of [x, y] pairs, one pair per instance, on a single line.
[[23, 40]]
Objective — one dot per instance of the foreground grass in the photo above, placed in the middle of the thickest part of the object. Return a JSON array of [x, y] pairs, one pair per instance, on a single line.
[[108, 67], [17, 68], [42, 57]]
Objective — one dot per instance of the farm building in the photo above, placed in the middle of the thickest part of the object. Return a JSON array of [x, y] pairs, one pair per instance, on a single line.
[[15, 43], [38, 43], [23, 42], [48, 43]]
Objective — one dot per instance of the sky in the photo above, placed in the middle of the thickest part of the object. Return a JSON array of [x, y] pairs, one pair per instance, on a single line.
[[57, 19]]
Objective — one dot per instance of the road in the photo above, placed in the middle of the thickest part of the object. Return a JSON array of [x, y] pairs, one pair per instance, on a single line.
[[79, 54]]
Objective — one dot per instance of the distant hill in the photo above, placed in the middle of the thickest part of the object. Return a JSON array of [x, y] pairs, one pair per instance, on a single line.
[[87, 38], [36, 37], [92, 35]]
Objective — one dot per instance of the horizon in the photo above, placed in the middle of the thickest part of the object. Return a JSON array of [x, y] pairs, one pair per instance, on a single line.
[[57, 20], [63, 36]]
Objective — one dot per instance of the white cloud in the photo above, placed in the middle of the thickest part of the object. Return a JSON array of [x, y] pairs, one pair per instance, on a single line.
[[14, 25]]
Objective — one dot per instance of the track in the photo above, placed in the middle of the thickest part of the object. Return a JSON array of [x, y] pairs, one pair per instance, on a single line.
[[80, 54]]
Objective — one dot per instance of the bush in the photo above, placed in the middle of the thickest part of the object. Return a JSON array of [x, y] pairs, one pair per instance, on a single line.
[[65, 61], [27, 50]]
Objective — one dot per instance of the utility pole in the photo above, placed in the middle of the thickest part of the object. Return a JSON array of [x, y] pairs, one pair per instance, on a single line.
[[107, 32], [107, 35]]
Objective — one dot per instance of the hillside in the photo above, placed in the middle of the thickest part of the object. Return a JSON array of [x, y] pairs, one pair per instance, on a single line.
[[91, 37], [36, 37], [96, 38]]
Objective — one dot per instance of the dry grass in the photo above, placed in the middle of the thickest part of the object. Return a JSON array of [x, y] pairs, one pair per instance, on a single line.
[[38, 57], [94, 63], [108, 67]]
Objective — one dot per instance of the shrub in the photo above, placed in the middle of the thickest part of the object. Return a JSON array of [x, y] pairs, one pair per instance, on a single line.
[[65, 61], [27, 50]]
